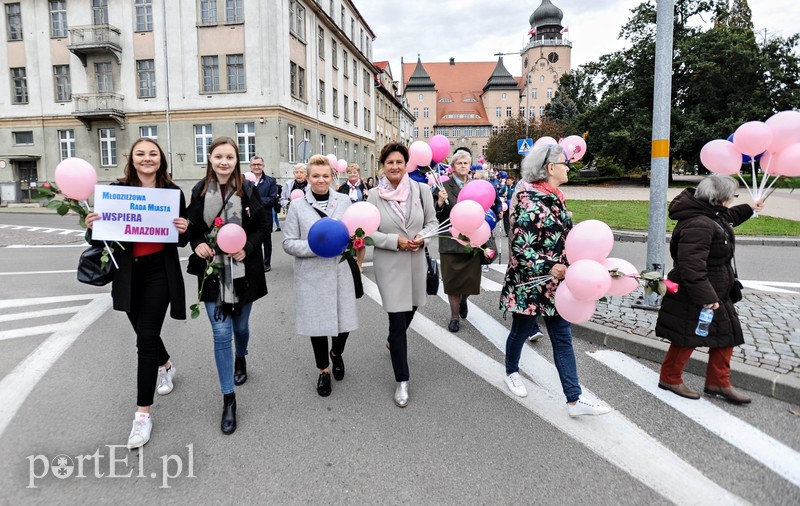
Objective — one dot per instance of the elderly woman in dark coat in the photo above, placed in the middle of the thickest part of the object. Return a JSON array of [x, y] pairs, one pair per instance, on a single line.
[[702, 248]]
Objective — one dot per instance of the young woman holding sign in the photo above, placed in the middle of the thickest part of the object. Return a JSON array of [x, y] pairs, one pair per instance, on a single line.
[[148, 280]]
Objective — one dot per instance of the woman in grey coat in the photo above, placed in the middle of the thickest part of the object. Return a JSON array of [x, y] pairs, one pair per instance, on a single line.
[[325, 298], [407, 214]]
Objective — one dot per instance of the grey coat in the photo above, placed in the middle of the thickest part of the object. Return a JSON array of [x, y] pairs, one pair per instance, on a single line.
[[325, 299], [401, 274]]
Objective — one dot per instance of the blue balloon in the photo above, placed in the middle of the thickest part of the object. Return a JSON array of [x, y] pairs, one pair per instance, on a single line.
[[491, 219], [745, 158], [328, 238], [502, 174]]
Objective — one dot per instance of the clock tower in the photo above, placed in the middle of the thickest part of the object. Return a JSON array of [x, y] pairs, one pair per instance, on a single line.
[[544, 59]]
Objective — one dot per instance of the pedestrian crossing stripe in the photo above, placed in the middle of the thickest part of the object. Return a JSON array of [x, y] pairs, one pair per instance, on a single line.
[[44, 230]]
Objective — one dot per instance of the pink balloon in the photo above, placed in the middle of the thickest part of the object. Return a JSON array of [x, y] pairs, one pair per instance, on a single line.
[[440, 148], [455, 233], [442, 179], [479, 237], [625, 285], [505, 207], [467, 216], [231, 238], [250, 177], [546, 140], [341, 166], [574, 147], [572, 309], [420, 154], [590, 239], [587, 279], [76, 177], [722, 157], [786, 162], [411, 166], [480, 191], [297, 194], [332, 160], [752, 138], [785, 127], [363, 215]]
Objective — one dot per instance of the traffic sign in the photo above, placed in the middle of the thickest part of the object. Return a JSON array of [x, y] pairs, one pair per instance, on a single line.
[[524, 146]]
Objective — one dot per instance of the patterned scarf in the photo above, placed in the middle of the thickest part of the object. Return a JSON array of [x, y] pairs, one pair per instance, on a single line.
[[544, 187], [354, 194], [396, 197], [232, 213]]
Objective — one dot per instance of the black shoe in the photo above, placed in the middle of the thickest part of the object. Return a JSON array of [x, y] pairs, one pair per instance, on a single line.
[[267, 268], [278, 229], [324, 384], [239, 371], [462, 309], [338, 367], [228, 424], [453, 326]]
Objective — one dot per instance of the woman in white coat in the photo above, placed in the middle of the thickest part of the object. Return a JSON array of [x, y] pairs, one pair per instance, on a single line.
[[325, 299], [407, 214]]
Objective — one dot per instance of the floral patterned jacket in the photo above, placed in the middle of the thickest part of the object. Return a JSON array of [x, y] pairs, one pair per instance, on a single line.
[[539, 227]]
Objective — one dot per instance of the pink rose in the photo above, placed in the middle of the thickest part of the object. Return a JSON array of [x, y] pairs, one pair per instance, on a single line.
[[358, 243], [218, 221], [489, 252], [672, 287]]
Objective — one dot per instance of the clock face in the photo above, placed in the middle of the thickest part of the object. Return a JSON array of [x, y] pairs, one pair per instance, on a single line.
[[552, 57]]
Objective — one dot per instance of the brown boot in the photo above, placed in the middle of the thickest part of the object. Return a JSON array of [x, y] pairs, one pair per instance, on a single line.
[[729, 393], [680, 389]]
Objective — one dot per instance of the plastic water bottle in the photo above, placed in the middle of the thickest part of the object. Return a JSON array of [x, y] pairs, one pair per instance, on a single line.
[[706, 315]]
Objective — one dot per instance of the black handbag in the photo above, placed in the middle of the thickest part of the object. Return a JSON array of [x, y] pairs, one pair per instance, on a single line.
[[356, 272], [491, 244], [91, 271], [432, 280]]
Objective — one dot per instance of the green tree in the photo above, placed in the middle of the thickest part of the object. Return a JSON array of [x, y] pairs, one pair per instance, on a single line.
[[741, 16], [561, 108]]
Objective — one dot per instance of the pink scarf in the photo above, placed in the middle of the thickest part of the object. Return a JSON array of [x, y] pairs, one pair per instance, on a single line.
[[396, 197], [544, 187]]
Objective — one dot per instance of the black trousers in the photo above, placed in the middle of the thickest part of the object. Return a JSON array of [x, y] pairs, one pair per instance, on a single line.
[[320, 345], [267, 244], [398, 342], [149, 302]]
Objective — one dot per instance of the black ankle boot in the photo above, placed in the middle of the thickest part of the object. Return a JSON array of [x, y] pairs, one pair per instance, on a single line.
[[228, 424], [338, 367], [239, 371]]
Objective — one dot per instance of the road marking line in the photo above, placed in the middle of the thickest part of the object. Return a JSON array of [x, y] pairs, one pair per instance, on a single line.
[[772, 453], [30, 273], [36, 301], [490, 286], [46, 230], [501, 268], [612, 436], [39, 314], [20, 382], [764, 287], [784, 284], [29, 331], [26, 246]]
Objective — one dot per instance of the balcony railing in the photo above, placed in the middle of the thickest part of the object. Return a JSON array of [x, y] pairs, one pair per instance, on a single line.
[[550, 42], [95, 106], [94, 39]]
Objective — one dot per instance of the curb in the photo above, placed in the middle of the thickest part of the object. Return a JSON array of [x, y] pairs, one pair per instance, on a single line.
[[633, 236], [748, 377]]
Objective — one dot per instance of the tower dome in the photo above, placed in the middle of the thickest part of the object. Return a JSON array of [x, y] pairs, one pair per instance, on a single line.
[[546, 14]]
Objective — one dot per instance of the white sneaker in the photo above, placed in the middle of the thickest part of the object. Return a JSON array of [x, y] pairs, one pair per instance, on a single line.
[[538, 335], [140, 433], [515, 384], [164, 384], [485, 268], [581, 407]]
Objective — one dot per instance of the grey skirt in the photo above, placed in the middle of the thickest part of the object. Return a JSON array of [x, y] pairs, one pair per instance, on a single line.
[[461, 273]]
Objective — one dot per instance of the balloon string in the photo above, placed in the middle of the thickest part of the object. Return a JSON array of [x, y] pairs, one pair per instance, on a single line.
[[766, 172], [770, 188], [746, 186], [108, 248], [539, 280], [754, 178]]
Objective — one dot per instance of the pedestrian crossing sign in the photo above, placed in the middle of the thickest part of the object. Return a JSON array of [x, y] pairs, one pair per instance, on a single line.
[[524, 146]]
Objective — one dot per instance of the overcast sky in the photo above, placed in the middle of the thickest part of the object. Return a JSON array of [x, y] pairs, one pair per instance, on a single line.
[[474, 30]]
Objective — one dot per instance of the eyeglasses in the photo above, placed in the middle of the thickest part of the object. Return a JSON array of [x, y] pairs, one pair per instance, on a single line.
[[736, 195], [547, 157]]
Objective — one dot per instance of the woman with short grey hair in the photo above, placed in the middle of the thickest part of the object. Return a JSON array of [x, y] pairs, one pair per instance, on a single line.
[[702, 248]]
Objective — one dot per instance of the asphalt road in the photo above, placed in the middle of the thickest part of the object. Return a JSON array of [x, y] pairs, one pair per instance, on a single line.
[[67, 388]]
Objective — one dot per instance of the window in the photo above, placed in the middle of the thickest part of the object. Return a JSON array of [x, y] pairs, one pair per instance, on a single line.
[[415, 112], [344, 62], [210, 66], [23, 138], [541, 111], [468, 131], [202, 141], [235, 64], [334, 55], [297, 77], [208, 12], [321, 143], [104, 77], [297, 19], [291, 143], [150, 132], [508, 112], [426, 113], [426, 132], [61, 80], [498, 112], [14, 19], [346, 149], [367, 117], [367, 83], [100, 13], [484, 150], [341, 18], [421, 97], [483, 131], [108, 146], [456, 131], [144, 15], [336, 146], [522, 111], [494, 130], [58, 18], [504, 96], [534, 93], [336, 102], [146, 73], [321, 96], [416, 132], [19, 81], [246, 139], [541, 79], [346, 108], [532, 112], [549, 92], [355, 113], [321, 42], [233, 12], [66, 143], [355, 72], [306, 145], [361, 41], [353, 30]]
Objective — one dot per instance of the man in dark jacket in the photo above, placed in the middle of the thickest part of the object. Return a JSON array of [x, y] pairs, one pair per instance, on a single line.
[[268, 193]]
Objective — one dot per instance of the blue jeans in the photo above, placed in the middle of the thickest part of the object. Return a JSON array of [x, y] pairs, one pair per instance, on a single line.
[[227, 329], [275, 218], [560, 332]]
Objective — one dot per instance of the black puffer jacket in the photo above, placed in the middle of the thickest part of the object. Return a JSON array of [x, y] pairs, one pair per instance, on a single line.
[[702, 247]]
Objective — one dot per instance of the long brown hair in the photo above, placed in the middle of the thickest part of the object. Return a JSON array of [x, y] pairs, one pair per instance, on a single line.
[[131, 177], [236, 180]]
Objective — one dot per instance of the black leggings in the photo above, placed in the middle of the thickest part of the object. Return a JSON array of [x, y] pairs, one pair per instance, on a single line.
[[149, 302], [320, 345], [398, 342]]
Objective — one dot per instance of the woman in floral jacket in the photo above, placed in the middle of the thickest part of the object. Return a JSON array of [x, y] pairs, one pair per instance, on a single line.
[[539, 224]]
